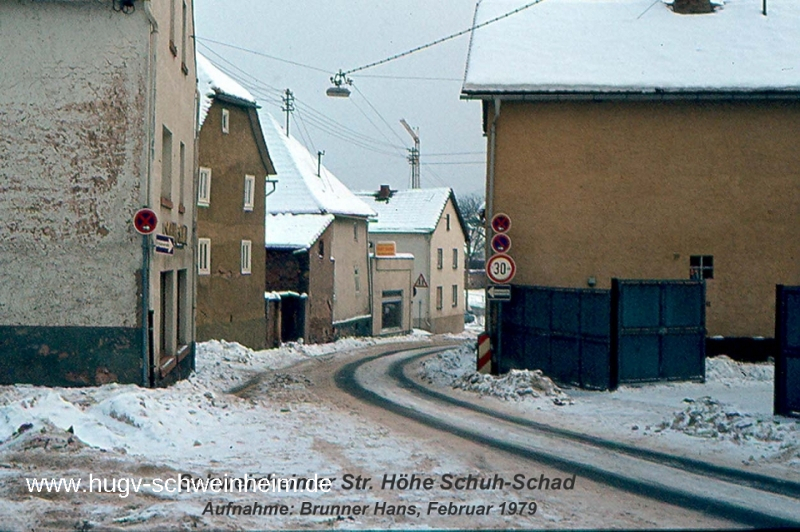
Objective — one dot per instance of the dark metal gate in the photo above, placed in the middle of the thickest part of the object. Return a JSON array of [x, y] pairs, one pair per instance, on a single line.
[[658, 330], [564, 332], [787, 362]]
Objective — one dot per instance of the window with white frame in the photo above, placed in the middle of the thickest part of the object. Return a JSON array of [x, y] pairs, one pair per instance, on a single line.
[[249, 192], [226, 121], [701, 267], [204, 187], [455, 295], [439, 297], [204, 256], [455, 258], [439, 259], [247, 248]]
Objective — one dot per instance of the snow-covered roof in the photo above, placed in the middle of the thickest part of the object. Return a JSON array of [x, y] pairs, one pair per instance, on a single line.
[[407, 211], [211, 82], [300, 190], [295, 231], [636, 46]]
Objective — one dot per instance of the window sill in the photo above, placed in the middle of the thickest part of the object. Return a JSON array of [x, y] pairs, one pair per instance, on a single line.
[[166, 203]]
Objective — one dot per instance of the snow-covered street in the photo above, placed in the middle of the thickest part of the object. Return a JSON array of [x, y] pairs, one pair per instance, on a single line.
[[277, 414]]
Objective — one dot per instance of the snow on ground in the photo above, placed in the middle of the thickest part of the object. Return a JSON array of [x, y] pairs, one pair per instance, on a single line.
[[197, 427], [730, 415], [456, 368]]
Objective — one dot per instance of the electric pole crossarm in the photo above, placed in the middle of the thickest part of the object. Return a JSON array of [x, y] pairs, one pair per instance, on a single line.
[[413, 156]]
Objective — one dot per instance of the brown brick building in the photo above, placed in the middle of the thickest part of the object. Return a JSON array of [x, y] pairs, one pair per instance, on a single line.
[[628, 140], [233, 169]]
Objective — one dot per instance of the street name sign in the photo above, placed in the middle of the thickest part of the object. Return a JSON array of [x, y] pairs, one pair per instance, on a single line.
[[165, 245]]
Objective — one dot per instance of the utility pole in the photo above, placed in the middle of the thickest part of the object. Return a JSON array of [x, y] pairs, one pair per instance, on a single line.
[[319, 163], [287, 107], [413, 155]]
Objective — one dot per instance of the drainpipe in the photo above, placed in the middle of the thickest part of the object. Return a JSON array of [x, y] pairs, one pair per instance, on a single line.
[[150, 141], [370, 288], [496, 307]]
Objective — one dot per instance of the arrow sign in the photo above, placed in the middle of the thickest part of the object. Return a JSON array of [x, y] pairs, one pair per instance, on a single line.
[[498, 293], [165, 244]]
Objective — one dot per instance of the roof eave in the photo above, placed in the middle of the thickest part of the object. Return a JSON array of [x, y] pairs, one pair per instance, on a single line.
[[633, 95], [233, 100]]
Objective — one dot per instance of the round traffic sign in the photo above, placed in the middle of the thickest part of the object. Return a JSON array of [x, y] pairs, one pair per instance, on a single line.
[[501, 268], [145, 221], [501, 243], [501, 223]]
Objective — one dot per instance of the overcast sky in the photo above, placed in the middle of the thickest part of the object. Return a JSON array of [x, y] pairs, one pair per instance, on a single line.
[[363, 140]]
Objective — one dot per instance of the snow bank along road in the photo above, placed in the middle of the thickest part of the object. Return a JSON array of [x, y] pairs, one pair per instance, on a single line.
[[746, 498]]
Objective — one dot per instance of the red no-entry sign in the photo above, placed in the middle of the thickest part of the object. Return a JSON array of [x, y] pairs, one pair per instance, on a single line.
[[145, 221], [501, 223]]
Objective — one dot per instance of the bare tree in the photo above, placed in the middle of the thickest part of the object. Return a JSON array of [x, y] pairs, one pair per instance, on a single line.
[[472, 208]]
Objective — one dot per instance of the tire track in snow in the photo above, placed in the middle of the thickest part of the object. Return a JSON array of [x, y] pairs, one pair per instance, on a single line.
[[746, 498]]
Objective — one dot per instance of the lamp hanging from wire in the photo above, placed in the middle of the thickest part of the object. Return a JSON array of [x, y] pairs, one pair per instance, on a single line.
[[339, 88]]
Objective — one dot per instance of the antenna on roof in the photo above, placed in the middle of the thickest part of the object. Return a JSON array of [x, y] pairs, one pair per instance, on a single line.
[[319, 162]]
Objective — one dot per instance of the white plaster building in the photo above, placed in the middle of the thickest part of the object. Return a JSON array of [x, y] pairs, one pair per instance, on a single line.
[[97, 113], [306, 187], [426, 223]]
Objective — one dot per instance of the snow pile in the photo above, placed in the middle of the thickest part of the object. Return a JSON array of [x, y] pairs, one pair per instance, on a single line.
[[723, 369], [516, 385], [446, 368], [708, 418], [456, 368], [46, 437]]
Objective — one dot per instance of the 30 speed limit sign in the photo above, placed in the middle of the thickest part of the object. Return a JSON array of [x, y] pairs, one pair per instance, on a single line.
[[501, 268]]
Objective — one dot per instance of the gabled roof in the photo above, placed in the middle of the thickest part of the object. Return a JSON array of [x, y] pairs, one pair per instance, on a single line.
[[416, 210], [633, 46], [295, 231], [212, 82], [300, 190]]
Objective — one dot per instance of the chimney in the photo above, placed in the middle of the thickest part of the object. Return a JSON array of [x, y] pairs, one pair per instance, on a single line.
[[385, 192], [692, 7]]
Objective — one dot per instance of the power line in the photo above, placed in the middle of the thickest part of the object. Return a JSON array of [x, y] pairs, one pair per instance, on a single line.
[[377, 113], [415, 78], [455, 153], [443, 39], [453, 162], [254, 52], [316, 118]]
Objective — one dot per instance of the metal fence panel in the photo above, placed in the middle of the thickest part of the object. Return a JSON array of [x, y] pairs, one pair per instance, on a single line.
[[564, 332], [659, 329], [787, 363]]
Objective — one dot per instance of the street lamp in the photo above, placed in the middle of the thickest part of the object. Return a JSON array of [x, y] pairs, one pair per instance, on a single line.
[[339, 88]]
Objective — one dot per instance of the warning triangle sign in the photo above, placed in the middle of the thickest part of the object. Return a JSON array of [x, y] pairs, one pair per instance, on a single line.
[[421, 283]]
